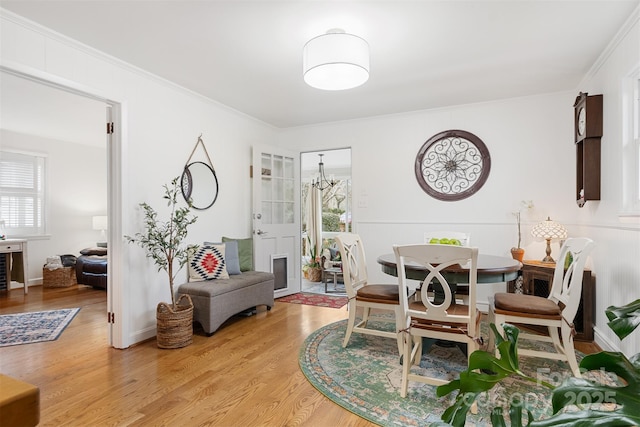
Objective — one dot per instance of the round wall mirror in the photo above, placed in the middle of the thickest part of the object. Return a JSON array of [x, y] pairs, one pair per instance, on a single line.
[[200, 185]]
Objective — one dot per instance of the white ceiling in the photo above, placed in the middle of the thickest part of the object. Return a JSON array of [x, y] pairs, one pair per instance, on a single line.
[[31, 108], [424, 54]]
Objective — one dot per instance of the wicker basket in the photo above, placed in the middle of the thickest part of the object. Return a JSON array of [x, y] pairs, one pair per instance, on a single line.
[[175, 328], [58, 278], [315, 274]]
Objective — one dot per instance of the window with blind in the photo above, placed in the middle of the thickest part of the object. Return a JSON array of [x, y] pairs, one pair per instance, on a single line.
[[630, 178], [633, 201], [22, 193]]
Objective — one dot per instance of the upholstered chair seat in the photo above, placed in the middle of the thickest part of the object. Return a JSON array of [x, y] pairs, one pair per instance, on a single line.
[[526, 306], [383, 294]]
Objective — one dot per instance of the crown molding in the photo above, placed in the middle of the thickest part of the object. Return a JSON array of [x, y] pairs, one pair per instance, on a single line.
[[116, 62], [613, 44]]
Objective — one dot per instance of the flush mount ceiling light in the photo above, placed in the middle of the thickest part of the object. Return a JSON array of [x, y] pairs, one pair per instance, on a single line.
[[336, 61]]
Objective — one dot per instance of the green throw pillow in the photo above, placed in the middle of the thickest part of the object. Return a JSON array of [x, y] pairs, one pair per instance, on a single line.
[[245, 252]]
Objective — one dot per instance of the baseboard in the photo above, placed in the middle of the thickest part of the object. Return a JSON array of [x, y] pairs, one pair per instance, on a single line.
[[483, 306], [18, 285], [603, 342], [143, 335]]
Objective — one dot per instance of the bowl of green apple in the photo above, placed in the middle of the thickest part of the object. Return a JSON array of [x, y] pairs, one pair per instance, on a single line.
[[445, 241]]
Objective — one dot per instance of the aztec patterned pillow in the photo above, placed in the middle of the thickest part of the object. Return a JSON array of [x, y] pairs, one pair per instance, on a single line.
[[208, 263], [231, 257]]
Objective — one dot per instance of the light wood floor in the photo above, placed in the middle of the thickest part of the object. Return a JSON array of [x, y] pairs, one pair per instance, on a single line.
[[246, 374]]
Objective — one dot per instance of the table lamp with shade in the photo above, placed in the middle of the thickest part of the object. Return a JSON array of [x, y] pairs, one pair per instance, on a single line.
[[100, 222], [549, 230]]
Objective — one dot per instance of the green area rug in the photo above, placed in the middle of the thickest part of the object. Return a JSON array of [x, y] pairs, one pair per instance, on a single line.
[[365, 379], [39, 326]]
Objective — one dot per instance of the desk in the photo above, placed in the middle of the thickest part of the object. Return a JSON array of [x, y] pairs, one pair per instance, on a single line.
[[13, 263], [491, 269]]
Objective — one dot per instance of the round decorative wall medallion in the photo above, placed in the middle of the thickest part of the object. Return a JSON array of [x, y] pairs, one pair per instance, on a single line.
[[452, 165]]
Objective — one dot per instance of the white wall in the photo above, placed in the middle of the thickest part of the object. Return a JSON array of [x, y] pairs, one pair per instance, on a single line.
[[390, 207], [77, 190], [616, 259], [533, 157], [162, 123]]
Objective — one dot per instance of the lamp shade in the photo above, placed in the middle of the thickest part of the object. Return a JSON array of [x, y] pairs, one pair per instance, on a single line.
[[336, 61], [100, 222], [549, 229]]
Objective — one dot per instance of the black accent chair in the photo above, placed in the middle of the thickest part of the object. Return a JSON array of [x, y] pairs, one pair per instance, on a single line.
[[91, 268]]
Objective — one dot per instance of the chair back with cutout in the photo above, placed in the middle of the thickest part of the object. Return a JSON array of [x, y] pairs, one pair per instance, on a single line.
[[354, 265], [567, 282], [435, 258]]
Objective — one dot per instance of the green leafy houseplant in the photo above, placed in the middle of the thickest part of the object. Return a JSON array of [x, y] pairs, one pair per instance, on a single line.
[[163, 240], [314, 261], [573, 398], [312, 267]]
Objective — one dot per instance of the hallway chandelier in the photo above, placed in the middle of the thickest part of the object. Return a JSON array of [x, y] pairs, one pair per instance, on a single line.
[[322, 183], [336, 61]]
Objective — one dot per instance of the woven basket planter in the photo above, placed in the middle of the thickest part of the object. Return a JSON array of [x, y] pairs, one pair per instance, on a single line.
[[175, 328], [315, 274], [59, 277]]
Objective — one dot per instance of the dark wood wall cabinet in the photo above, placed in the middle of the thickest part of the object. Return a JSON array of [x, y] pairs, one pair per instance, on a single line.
[[587, 135], [536, 279]]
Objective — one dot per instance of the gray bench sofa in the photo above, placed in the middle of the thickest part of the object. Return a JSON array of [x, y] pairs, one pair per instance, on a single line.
[[215, 301]]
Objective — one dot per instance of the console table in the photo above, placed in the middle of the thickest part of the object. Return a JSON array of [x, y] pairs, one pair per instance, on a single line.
[[536, 279], [13, 263]]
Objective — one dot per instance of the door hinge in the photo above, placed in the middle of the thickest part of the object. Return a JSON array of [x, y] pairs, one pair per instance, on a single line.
[[109, 128], [111, 317]]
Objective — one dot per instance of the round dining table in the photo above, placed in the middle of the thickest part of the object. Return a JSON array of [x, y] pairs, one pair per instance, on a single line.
[[491, 269]]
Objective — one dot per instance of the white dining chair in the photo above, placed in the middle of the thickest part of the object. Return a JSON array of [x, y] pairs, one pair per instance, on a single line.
[[427, 318], [365, 295], [556, 312]]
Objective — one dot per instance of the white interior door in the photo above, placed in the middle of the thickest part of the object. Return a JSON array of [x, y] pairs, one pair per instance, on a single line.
[[276, 212]]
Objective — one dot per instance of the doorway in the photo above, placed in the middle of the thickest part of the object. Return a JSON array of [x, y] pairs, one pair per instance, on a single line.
[[111, 152], [326, 210]]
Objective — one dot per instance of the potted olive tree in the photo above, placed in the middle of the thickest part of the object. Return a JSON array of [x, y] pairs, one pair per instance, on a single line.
[[164, 244]]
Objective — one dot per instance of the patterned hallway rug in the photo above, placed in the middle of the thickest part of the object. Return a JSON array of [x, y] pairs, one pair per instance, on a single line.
[[365, 377], [39, 326], [320, 300]]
